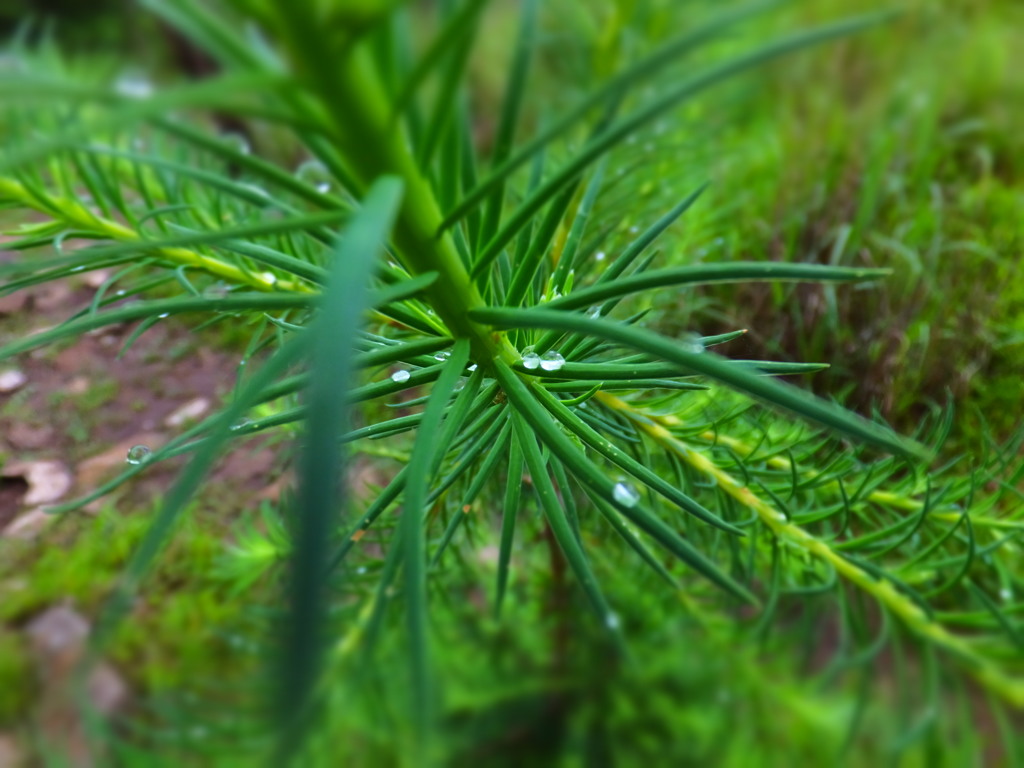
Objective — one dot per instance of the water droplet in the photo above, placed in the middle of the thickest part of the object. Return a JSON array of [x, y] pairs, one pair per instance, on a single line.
[[531, 360], [594, 312], [163, 315], [552, 361], [361, 570], [258, 190], [77, 269], [634, 229], [472, 368], [692, 343], [268, 277], [119, 293], [625, 494], [400, 377], [137, 454], [237, 142], [460, 385], [134, 86], [242, 423], [1006, 594], [315, 173], [599, 256], [612, 620], [442, 356]]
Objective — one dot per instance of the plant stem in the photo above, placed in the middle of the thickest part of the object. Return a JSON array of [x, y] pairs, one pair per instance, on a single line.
[[372, 140], [909, 612]]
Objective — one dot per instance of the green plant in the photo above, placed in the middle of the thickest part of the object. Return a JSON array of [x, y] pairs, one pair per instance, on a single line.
[[562, 450], [872, 155]]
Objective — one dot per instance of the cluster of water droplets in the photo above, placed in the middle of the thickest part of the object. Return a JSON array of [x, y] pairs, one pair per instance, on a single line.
[[549, 361], [402, 375]]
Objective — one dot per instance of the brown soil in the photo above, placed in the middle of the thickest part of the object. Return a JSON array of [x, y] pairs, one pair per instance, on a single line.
[[83, 404]]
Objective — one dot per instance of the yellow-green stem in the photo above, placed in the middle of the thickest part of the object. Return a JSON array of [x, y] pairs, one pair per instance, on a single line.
[[1009, 688], [76, 216]]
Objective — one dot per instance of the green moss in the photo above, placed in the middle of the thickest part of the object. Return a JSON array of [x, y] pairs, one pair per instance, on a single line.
[[178, 630], [16, 678]]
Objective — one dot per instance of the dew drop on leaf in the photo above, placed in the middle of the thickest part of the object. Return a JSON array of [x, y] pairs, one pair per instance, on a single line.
[[400, 377], [692, 343], [314, 173], [594, 312], [531, 361], [237, 142], [137, 454], [625, 495], [134, 86], [258, 191], [552, 361], [612, 620]]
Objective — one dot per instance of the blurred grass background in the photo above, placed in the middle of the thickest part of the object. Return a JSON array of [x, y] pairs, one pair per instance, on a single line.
[[900, 148]]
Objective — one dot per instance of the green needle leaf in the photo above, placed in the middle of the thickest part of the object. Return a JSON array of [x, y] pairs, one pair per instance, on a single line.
[[736, 376]]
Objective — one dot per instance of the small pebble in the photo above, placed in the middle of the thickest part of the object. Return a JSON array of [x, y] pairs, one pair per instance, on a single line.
[[12, 380]]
